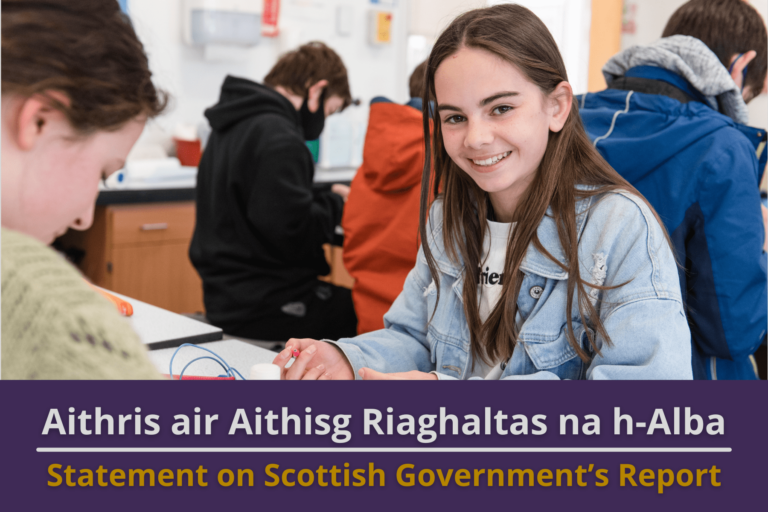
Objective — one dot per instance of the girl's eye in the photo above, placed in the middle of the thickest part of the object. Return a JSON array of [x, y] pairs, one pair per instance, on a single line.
[[454, 119], [501, 109]]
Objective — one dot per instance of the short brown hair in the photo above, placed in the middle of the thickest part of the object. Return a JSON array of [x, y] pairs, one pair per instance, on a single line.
[[417, 80], [86, 49], [727, 27], [299, 69]]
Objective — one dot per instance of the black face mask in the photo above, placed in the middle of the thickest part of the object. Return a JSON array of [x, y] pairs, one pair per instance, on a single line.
[[312, 122]]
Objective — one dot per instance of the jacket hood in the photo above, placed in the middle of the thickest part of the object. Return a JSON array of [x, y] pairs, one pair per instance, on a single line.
[[693, 60], [241, 98], [393, 155]]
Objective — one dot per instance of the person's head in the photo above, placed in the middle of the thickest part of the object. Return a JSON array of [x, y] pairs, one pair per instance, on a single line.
[[76, 92], [734, 31], [417, 80], [299, 70], [506, 131]]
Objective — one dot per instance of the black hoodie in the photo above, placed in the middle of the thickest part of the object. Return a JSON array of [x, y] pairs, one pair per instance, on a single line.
[[260, 227]]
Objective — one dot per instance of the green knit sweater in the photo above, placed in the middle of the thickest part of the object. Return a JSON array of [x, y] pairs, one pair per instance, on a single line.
[[54, 326]]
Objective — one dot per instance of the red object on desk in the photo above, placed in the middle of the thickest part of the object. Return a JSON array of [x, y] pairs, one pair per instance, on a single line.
[[188, 152], [122, 306], [197, 377]]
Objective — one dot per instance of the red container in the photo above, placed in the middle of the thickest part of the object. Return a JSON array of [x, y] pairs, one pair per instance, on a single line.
[[188, 151]]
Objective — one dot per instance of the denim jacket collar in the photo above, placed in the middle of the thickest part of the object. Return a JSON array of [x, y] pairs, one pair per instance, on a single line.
[[534, 262]]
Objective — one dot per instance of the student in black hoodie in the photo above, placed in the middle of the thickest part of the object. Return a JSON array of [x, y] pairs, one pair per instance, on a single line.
[[260, 226]]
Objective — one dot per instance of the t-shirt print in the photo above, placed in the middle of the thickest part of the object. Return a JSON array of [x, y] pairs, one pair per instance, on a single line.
[[492, 267]]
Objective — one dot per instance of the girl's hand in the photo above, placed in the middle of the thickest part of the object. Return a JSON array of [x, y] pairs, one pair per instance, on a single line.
[[368, 374], [318, 361]]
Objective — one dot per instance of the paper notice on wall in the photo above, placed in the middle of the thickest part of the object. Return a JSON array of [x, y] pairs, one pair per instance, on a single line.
[[380, 29], [270, 18]]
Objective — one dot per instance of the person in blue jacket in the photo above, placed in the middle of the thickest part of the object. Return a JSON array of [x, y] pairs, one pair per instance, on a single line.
[[673, 123]]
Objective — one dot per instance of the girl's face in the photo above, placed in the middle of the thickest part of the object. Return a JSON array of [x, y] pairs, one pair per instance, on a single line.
[[50, 177], [495, 123]]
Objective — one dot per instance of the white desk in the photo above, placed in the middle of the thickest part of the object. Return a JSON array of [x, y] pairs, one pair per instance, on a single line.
[[159, 328], [334, 175], [186, 177], [238, 354]]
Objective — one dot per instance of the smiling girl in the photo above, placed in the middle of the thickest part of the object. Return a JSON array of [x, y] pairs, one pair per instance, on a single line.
[[538, 260]]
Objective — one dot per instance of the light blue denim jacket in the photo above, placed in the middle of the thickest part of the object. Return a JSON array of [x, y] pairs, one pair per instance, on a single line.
[[619, 241]]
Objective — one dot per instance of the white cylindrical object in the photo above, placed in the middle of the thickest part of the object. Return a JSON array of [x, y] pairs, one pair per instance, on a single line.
[[265, 371]]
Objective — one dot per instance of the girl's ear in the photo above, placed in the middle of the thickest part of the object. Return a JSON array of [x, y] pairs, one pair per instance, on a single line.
[[36, 117], [560, 103]]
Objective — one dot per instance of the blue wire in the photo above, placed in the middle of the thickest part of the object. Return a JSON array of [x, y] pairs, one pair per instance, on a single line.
[[203, 357], [237, 372], [170, 369], [218, 359]]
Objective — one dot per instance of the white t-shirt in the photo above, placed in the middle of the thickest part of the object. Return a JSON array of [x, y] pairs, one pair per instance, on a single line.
[[491, 281]]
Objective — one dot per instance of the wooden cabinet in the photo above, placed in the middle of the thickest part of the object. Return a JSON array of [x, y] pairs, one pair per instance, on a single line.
[[141, 250]]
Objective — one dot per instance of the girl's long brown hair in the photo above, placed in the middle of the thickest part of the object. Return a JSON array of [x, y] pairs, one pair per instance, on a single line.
[[516, 35]]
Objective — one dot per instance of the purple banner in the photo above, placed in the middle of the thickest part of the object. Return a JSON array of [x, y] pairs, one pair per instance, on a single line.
[[382, 446]]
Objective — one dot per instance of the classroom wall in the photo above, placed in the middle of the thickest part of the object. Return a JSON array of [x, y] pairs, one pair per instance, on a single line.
[[194, 82], [650, 18]]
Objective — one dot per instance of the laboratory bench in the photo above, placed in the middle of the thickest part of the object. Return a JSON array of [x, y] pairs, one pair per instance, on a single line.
[[139, 241], [184, 189]]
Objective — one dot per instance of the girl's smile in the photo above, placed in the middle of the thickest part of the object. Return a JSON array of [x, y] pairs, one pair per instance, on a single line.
[[489, 164]]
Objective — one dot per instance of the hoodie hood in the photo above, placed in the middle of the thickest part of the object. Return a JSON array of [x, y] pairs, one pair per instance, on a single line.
[[393, 155], [241, 98], [693, 60]]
